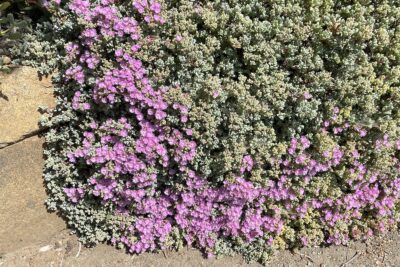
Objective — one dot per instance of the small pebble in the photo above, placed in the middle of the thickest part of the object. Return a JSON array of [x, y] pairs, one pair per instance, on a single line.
[[6, 60], [69, 247], [58, 244], [45, 248]]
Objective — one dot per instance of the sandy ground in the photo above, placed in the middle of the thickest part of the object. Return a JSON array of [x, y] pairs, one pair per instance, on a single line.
[[63, 250]]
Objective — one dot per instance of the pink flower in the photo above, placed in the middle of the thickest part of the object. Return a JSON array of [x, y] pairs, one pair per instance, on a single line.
[[215, 94], [178, 38], [155, 7], [307, 95]]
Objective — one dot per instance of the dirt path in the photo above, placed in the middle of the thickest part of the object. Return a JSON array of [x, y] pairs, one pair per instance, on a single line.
[[64, 250]]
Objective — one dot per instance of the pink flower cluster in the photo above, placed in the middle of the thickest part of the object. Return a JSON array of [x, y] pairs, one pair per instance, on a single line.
[[74, 194], [151, 9]]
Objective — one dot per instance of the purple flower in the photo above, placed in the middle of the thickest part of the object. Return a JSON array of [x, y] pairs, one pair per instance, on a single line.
[[74, 194]]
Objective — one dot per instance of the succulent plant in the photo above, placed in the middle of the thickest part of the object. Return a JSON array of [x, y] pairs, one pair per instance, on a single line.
[[17, 20]]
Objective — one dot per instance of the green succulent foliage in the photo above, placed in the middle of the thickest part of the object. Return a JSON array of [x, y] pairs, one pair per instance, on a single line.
[[17, 20], [41, 49], [247, 66], [13, 28]]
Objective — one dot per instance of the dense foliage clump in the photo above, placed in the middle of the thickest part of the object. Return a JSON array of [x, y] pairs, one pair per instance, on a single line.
[[17, 19], [233, 126]]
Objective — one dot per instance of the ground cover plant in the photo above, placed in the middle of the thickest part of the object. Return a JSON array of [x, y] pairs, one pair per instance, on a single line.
[[17, 18], [231, 126]]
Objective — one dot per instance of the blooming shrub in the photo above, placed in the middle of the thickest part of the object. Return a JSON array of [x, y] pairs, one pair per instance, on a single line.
[[232, 126]]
